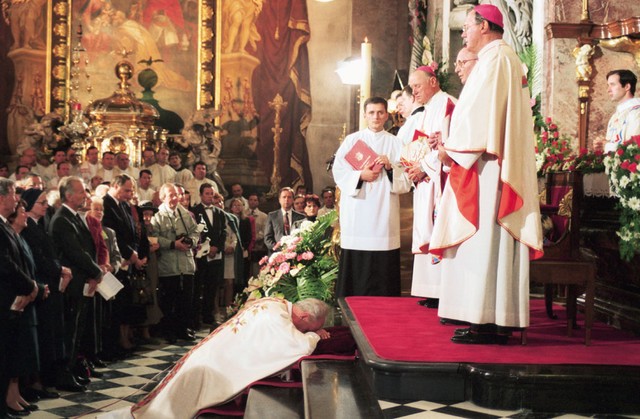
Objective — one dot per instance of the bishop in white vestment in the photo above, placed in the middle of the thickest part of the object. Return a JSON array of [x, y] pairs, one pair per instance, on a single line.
[[417, 152], [488, 227]]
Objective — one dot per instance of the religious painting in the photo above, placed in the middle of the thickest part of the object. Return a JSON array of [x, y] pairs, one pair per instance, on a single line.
[[174, 38], [264, 93]]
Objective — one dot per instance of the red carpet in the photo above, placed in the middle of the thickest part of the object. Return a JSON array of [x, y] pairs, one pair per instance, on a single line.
[[399, 329]]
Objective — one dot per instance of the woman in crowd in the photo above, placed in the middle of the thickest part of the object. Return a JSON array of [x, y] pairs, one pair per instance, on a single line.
[[312, 206], [299, 203], [24, 358], [50, 312]]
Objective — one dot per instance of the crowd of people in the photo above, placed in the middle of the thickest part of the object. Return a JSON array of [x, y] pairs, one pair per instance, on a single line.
[[180, 250]]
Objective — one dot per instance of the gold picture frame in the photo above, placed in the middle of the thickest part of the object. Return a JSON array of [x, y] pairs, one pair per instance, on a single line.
[[60, 47]]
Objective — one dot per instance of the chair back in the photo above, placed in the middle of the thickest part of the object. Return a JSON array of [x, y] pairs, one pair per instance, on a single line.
[[560, 209]]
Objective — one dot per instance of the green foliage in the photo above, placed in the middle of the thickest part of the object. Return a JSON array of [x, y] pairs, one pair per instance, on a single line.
[[624, 178], [302, 266]]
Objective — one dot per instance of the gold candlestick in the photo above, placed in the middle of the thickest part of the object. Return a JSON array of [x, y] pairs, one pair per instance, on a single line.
[[277, 104], [585, 11]]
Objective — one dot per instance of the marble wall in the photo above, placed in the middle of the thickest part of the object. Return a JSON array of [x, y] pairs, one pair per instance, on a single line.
[[560, 90], [337, 30]]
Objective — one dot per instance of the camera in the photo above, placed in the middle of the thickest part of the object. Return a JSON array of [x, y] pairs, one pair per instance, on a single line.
[[185, 239]]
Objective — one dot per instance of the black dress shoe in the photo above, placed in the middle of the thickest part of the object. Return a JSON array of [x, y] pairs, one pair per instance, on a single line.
[[30, 407], [98, 363], [445, 321], [82, 380], [429, 302], [67, 382], [18, 413], [44, 393], [471, 338], [186, 336], [92, 370]]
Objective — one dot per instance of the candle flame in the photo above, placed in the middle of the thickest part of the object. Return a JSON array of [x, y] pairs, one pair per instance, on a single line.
[[366, 39]]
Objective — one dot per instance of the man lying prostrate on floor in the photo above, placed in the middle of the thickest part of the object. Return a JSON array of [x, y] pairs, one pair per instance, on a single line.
[[261, 340]]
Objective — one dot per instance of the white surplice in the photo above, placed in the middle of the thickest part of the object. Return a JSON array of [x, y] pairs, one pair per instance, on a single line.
[[489, 219], [161, 175], [258, 342], [370, 214], [623, 124]]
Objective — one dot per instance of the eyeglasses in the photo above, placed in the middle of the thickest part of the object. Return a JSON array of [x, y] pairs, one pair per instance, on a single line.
[[460, 63], [466, 27]]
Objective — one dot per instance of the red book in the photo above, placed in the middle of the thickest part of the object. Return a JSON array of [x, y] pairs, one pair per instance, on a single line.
[[361, 156]]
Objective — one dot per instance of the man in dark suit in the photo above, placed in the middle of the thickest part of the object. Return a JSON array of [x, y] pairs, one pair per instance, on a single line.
[[118, 217], [279, 222], [76, 249], [210, 267], [16, 285]]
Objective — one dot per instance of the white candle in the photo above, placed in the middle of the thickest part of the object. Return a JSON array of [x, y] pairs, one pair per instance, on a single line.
[[365, 83]]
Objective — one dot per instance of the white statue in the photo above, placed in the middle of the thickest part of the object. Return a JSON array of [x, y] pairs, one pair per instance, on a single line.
[[583, 67]]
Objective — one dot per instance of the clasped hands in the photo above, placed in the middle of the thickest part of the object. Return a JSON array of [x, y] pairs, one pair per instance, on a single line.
[[22, 301], [372, 172]]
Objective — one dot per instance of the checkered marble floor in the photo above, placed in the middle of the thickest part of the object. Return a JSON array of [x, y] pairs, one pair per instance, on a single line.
[[126, 382]]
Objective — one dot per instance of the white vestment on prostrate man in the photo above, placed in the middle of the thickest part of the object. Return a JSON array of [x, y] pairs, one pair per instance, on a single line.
[[489, 220], [624, 124], [426, 195], [258, 342]]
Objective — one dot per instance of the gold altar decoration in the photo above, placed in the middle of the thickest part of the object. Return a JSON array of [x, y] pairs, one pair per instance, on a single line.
[[277, 104], [123, 123], [624, 44]]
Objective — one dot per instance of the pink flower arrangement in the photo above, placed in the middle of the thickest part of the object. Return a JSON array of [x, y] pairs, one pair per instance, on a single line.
[[301, 267]]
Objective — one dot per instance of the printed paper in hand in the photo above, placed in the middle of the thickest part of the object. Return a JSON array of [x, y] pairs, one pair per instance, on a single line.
[[109, 286]]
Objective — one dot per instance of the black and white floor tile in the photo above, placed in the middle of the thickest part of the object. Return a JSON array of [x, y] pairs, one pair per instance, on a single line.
[[126, 382]]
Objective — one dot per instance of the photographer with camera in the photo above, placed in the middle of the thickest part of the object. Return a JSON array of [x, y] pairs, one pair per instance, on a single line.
[[178, 236]]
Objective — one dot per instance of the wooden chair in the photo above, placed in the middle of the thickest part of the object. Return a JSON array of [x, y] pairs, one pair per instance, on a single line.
[[563, 263]]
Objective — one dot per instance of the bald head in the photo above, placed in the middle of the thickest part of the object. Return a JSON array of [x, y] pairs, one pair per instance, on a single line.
[[424, 86], [465, 62]]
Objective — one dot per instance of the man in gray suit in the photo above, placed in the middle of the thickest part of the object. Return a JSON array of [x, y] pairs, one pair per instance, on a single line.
[[279, 222]]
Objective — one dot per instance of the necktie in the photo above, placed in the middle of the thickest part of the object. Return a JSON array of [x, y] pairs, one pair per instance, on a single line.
[[287, 226], [81, 222], [128, 216]]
